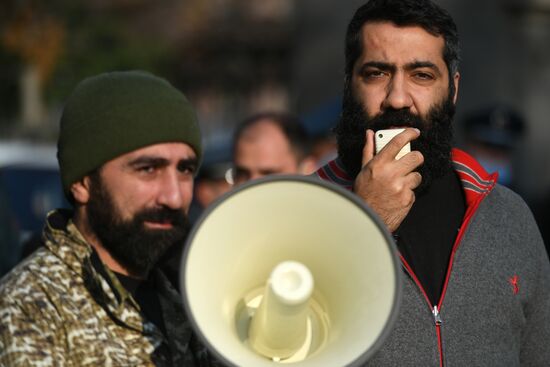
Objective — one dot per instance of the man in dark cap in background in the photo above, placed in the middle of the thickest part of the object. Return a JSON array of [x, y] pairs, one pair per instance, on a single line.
[[128, 149], [213, 180], [492, 135]]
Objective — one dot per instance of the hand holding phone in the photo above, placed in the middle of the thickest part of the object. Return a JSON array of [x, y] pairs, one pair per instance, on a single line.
[[383, 137]]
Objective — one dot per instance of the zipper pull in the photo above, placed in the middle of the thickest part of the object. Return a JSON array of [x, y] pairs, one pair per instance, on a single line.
[[437, 316]]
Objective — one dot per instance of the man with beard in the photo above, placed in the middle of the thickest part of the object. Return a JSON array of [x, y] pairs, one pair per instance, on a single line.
[[477, 284], [128, 148]]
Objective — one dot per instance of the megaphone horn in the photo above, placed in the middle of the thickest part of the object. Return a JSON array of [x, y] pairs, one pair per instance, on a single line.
[[290, 269]]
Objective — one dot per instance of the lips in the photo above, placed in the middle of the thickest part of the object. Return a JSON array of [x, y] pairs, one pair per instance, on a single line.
[[158, 225]]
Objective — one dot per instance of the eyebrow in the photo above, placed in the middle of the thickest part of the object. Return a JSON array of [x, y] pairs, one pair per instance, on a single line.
[[148, 160], [422, 64], [188, 162], [161, 162], [392, 68], [378, 65], [263, 171]]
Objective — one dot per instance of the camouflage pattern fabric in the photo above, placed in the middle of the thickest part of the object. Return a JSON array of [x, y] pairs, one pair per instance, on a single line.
[[56, 310]]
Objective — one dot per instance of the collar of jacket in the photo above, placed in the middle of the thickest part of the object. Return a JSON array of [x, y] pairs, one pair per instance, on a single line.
[[64, 240], [476, 182]]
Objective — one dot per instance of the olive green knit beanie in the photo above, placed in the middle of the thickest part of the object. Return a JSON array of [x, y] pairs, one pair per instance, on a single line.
[[111, 114]]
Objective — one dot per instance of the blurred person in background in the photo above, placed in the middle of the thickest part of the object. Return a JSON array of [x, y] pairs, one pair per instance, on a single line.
[[492, 135], [213, 179], [128, 149], [270, 143], [324, 148], [212, 182], [476, 289]]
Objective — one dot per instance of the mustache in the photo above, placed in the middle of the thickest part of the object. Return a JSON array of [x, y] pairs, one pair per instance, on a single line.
[[434, 141], [395, 118], [164, 215]]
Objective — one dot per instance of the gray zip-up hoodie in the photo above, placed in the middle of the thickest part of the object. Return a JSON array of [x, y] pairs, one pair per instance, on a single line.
[[495, 306]]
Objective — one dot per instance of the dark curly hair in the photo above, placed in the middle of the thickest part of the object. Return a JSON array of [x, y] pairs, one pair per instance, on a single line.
[[422, 13]]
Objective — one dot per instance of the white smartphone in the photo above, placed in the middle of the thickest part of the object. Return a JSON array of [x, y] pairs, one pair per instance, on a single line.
[[383, 137]]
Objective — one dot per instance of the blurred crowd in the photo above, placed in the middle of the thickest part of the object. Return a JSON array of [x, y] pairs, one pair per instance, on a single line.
[[263, 144]]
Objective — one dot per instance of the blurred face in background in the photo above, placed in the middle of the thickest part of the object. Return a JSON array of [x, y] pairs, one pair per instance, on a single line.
[[209, 189], [263, 149]]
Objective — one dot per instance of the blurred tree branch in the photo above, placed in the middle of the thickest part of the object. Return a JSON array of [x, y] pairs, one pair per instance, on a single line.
[[37, 39]]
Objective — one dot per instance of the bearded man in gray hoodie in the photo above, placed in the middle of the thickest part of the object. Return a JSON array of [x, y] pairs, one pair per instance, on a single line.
[[477, 284]]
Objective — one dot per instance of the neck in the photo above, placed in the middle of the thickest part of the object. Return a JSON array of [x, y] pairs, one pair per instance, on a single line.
[[81, 222]]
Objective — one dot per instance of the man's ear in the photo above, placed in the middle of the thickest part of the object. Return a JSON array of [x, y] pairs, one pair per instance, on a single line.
[[81, 190], [456, 80]]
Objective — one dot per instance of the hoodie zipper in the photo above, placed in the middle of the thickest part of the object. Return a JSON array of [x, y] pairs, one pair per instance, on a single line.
[[438, 322], [436, 309]]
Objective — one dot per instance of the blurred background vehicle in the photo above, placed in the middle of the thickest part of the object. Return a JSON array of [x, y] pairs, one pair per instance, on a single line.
[[30, 187]]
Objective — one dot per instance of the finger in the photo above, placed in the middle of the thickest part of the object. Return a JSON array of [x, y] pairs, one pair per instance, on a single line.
[[368, 149], [410, 161], [413, 180], [399, 141]]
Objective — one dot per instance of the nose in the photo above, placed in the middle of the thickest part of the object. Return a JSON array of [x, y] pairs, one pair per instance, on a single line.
[[170, 192], [397, 93]]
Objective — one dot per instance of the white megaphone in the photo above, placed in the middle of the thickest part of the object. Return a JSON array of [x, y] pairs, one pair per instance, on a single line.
[[290, 270]]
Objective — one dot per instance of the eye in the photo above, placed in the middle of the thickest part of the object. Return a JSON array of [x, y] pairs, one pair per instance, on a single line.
[[240, 174], [423, 76], [147, 169], [373, 74], [187, 168]]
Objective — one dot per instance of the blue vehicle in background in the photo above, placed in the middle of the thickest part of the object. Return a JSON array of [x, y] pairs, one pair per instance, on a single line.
[[30, 187]]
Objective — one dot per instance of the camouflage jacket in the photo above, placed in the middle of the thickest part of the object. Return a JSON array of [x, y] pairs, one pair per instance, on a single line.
[[57, 310]]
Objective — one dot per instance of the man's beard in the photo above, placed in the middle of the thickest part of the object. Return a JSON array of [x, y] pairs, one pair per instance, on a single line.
[[129, 241], [434, 142]]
